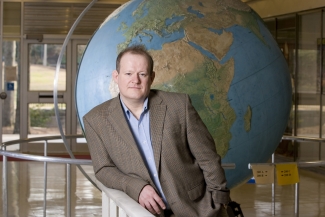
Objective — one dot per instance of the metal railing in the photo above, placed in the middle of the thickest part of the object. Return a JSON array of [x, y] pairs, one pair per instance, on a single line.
[[114, 202], [46, 159], [299, 165], [118, 204]]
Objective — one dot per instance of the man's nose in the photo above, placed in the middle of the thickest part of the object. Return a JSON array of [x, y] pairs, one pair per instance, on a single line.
[[136, 78]]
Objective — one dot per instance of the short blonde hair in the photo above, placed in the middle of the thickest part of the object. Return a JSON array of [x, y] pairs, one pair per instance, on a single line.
[[135, 49]]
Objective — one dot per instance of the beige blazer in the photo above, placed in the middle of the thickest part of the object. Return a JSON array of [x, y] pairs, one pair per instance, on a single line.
[[189, 168]]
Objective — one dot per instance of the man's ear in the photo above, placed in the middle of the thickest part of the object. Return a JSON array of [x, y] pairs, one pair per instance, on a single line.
[[115, 76], [152, 76]]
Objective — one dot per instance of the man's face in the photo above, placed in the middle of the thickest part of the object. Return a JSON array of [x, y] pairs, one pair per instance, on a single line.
[[133, 79]]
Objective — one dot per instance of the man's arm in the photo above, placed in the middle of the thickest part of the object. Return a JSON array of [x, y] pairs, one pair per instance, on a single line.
[[106, 171], [203, 149]]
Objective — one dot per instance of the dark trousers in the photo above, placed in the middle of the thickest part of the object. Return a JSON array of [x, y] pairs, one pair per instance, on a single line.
[[168, 213]]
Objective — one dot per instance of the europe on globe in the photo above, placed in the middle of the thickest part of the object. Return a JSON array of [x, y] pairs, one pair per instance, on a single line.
[[217, 51]]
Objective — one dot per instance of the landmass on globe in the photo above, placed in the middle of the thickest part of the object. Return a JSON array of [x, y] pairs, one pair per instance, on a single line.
[[179, 72]]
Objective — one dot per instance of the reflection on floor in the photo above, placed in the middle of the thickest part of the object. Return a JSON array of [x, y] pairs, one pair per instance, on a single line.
[[26, 194], [26, 182], [256, 199]]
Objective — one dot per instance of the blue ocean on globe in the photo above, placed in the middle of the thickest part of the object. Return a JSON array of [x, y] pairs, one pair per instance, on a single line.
[[218, 52]]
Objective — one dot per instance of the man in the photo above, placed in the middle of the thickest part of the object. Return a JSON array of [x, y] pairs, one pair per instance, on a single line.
[[153, 145]]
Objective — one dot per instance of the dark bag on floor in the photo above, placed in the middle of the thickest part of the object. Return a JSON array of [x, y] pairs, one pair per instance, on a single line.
[[234, 210]]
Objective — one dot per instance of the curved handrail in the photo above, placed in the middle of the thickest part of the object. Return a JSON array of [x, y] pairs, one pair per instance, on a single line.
[[299, 164], [311, 164], [306, 139], [46, 159], [303, 139], [41, 138]]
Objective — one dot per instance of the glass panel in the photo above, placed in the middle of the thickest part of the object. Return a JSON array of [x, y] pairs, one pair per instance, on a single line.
[[308, 54], [42, 120], [308, 84], [308, 151], [42, 64], [286, 38], [11, 18], [11, 105], [308, 75], [80, 51]]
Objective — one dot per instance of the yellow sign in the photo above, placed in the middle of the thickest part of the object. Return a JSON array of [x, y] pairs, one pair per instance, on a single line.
[[287, 174], [263, 174]]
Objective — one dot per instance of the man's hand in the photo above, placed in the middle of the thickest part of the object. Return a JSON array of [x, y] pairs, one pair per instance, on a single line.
[[150, 200]]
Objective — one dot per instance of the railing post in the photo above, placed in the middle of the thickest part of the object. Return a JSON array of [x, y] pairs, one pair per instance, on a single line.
[[121, 213], [113, 208], [105, 205], [297, 200], [273, 189], [45, 179], [68, 190], [4, 187]]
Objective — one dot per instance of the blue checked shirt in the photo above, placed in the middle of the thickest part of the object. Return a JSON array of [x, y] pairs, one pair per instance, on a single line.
[[141, 133]]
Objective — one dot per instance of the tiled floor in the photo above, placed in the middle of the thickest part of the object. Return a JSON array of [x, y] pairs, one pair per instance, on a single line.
[[26, 182]]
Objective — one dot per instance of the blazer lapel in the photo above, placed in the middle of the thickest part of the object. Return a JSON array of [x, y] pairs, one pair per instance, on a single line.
[[157, 116], [117, 119]]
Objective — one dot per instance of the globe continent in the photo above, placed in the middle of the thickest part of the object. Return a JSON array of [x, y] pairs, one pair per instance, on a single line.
[[217, 51]]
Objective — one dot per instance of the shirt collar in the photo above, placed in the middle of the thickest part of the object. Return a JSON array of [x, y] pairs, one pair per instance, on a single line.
[[127, 111]]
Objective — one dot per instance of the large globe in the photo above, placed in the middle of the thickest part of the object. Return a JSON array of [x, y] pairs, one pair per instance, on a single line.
[[217, 51]]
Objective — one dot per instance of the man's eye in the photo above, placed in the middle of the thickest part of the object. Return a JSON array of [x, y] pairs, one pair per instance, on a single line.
[[128, 73], [143, 75]]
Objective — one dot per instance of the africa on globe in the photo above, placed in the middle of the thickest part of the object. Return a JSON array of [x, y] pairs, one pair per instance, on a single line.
[[217, 51]]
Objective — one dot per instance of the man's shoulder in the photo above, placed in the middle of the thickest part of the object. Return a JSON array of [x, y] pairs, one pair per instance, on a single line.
[[168, 95], [174, 101], [103, 107]]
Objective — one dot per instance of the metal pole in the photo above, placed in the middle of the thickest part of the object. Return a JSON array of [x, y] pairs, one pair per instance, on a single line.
[[273, 189], [321, 89], [68, 190], [4, 187], [45, 179], [295, 94], [297, 200]]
